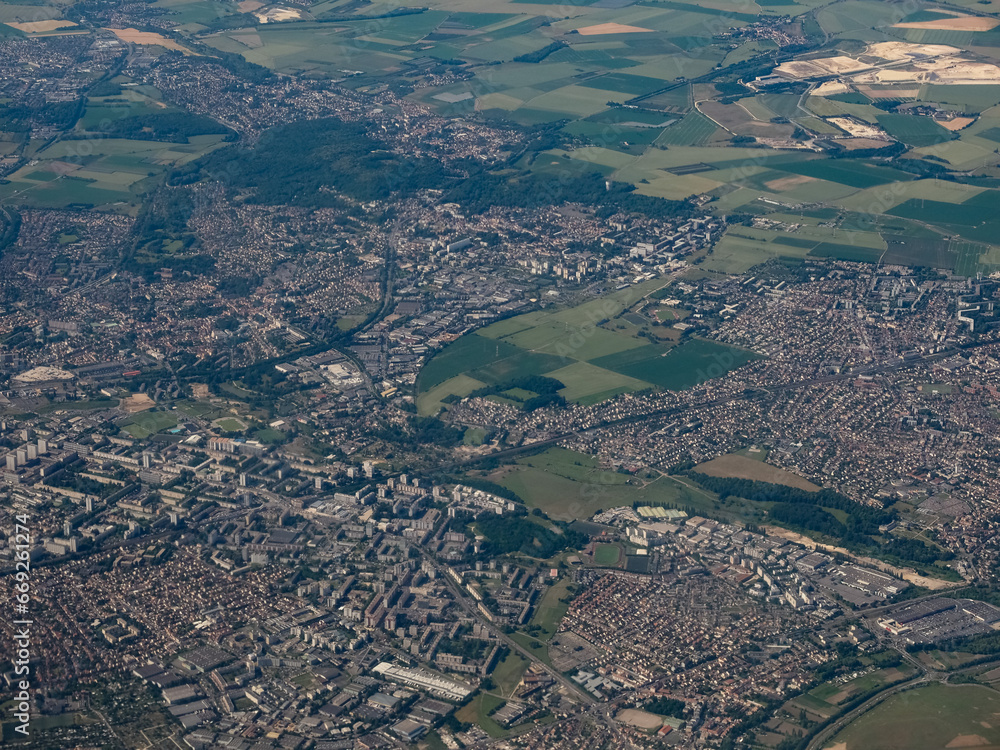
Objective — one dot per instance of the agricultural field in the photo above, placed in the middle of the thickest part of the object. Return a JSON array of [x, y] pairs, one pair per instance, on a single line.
[[595, 351], [650, 94], [653, 94], [927, 718]]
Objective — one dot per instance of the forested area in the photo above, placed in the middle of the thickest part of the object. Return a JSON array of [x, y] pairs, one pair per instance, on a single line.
[[308, 163], [509, 534], [172, 127]]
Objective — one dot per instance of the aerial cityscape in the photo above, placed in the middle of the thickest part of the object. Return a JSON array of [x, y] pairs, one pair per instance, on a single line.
[[522, 374]]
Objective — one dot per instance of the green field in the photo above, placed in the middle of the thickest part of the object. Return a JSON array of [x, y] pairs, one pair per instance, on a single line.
[[607, 555], [913, 130], [851, 172], [694, 130], [593, 362], [231, 424], [468, 353], [927, 718], [568, 486], [478, 711], [109, 403], [551, 609], [508, 672], [145, 424], [692, 363]]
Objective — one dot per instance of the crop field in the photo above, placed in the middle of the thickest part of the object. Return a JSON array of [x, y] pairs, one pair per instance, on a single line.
[[975, 219], [692, 363], [738, 253], [694, 130], [927, 718], [103, 171], [469, 352], [969, 259], [593, 362], [743, 247], [913, 130], [852, 253], [854, 173]]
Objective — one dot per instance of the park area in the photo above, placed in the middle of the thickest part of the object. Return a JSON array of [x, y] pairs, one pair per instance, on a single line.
[[567, 485]]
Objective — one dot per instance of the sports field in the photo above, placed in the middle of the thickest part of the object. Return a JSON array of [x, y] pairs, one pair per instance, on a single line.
[[607, 555], [145, 424]]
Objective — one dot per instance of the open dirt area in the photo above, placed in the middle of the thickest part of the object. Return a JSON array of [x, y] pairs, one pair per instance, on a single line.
[[640, 719], [610, 28], [38, 27], [856, 127], [956, 23], [968, 740], [134, 36], [138, 402], [829, 88], [249, 6], [741, 467], [903, 50], [800, 69], [787, 183], [840, 64], [893, 93]]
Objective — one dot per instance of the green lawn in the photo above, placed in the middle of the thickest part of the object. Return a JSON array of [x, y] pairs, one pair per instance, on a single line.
[[607, 555], [477, 712], [109, 403], [508, 672], [231, 424], [551, 609]]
